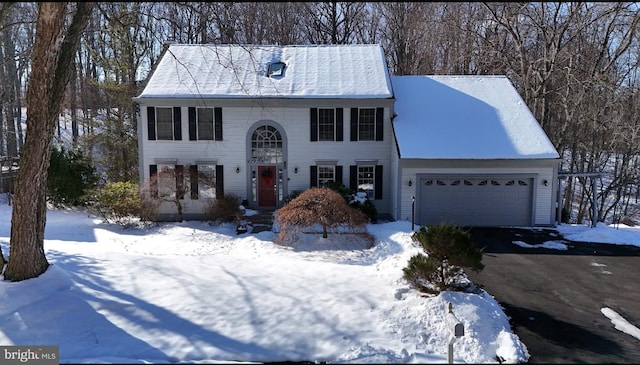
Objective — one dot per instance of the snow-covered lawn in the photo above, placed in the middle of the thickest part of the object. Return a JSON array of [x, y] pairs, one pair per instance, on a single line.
[[192, 292]]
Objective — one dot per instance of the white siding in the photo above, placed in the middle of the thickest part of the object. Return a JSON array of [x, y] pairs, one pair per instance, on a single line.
[[300, 152]]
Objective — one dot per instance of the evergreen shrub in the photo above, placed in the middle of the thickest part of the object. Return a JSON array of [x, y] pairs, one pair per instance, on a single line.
[[449, 249], [72, 178]]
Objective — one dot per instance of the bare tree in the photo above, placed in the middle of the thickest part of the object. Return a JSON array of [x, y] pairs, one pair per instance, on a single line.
[[408, 36], [54, 48], [333, 22]]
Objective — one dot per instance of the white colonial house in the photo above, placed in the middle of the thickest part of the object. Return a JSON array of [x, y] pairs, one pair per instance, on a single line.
[[263, 121]]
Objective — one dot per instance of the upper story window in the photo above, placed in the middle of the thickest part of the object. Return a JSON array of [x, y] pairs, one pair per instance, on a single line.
[[164, 123], [326, 124], [205, 124], [367, 124]]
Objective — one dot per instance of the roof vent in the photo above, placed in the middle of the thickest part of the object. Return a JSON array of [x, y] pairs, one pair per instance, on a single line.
[[276, 69]]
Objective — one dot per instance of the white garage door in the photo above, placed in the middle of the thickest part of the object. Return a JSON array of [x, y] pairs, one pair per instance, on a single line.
[[475, 201]]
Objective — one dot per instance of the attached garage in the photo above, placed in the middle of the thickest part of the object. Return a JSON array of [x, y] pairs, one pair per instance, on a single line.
[[468, 200], [471, 153]]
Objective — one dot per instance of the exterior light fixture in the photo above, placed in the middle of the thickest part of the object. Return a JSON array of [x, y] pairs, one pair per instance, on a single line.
[[410, 182], [295, 170], [545, 182], [238, 170]]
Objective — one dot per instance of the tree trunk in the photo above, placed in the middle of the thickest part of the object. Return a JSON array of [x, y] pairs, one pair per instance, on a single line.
[[53, 53], [9, 93]]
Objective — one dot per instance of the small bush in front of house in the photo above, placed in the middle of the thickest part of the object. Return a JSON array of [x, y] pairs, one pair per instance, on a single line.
[[118, 200], [225, 208], [449, 249], [358, 200], [321, 206]]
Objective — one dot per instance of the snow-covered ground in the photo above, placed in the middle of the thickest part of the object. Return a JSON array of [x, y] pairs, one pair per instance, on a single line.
[[192, 292]]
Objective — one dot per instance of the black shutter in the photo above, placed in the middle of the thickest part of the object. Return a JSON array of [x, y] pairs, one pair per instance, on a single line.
[[314, 124], [339, 124], [378, 182], [379, 124], [354, 124], [193, 136], [339, 174], [177, 123], [151, 122], [219, 181], [179, 181], [313, 181], [353, 178], [193, 179], [153, 180], [217, 124]]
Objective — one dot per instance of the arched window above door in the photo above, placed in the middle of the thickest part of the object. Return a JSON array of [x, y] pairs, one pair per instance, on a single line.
[[266, 145]]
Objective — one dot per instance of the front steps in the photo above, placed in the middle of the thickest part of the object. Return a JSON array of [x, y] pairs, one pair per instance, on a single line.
[[259, 222]]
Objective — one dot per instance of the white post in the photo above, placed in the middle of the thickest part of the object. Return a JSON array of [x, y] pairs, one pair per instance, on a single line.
[[456, 329]]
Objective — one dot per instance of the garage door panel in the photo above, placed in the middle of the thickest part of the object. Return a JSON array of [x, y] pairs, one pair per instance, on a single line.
[[475, 201]]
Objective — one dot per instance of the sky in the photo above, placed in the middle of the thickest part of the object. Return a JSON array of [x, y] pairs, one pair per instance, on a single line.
[[194, 292]]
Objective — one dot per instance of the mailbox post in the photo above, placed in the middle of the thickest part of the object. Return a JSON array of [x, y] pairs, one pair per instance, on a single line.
[[456, 329]]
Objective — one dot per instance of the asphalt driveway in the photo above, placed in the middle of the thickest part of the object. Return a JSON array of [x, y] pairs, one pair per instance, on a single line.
[[554, 297]]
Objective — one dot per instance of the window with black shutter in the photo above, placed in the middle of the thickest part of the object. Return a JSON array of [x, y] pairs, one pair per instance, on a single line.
[[367, 124], [367, 178], [205, 124], [164, 123], [326, 124]]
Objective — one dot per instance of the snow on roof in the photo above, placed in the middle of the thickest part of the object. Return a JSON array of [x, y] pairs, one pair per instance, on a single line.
[[240, 71], [465, 117]]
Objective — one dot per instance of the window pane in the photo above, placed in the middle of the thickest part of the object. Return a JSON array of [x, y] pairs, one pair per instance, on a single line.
[[207, 181], [164, 123], [166, 181], [366, 180], [326, 175], [266, 145], [326, 124], [367, 124], [205, 123]]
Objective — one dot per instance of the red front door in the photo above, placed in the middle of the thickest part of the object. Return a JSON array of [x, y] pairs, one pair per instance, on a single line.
[[267, 186]]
